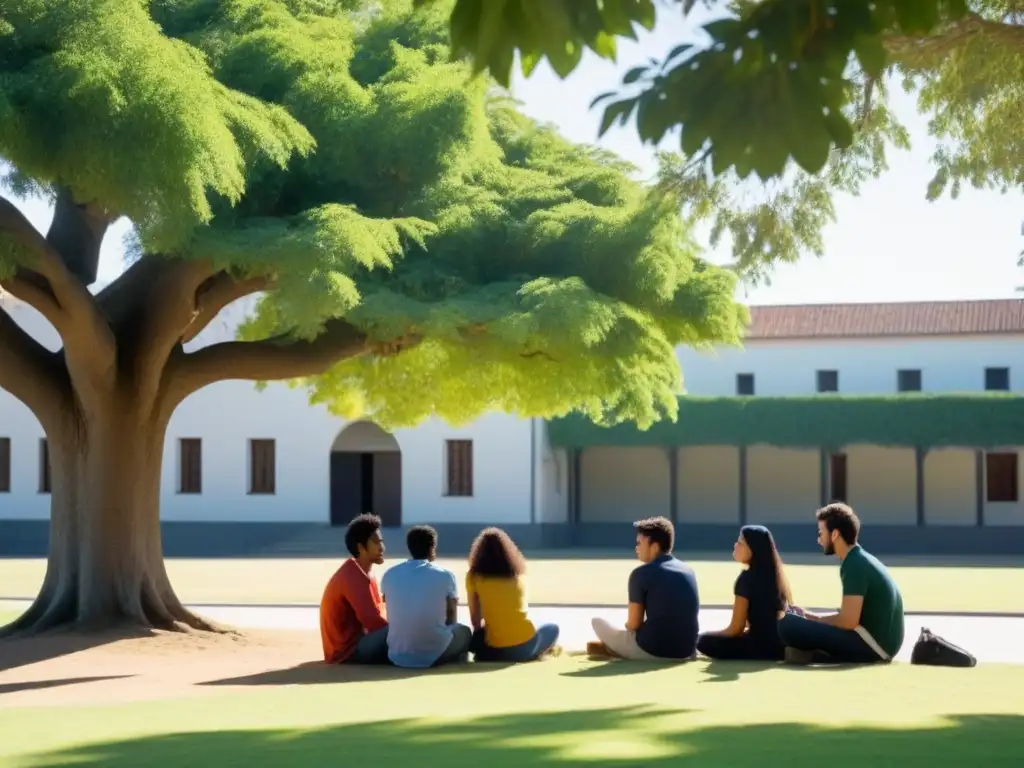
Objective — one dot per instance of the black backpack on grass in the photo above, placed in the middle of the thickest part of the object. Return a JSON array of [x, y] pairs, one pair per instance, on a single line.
[[935, 651]]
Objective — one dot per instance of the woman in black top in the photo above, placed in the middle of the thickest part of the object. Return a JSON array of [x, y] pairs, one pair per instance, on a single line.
[[762, 597]]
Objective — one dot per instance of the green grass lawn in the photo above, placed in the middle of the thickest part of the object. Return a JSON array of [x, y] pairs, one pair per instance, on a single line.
[[566, 712], [572, 581]]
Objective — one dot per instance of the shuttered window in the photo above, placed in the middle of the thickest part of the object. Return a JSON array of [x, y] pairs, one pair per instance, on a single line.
[[262, 467], [460, 468], [190, 465]]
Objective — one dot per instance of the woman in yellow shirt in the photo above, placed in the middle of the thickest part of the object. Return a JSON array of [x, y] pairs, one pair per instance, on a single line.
[[497, 603]]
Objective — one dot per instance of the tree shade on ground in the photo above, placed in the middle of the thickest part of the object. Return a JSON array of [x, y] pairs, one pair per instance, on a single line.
[[566, 712]]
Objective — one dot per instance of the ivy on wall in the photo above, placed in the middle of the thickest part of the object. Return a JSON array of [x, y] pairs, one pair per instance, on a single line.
[[830, 421]]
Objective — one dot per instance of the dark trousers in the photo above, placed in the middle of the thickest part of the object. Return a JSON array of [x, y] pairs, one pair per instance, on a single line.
[[372, 648], [843, 646], [458, 647], [542, 642], [743, 647]]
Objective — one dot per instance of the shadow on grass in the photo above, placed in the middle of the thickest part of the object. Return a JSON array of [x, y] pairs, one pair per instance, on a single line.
[[38, 685], [718, 671], [621, 667], [609, 737], [320, 673]]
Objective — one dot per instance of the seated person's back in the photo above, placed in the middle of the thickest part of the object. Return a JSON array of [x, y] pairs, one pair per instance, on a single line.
[[503, 608], [667, 588], [882, 611], [417, 593]]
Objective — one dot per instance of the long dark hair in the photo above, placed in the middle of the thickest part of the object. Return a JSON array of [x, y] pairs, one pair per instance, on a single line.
[[495, 554], [765, 564]]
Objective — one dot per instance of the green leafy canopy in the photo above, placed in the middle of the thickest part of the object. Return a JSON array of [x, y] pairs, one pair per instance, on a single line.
[[769, 86], [790, 92], [333, 146]]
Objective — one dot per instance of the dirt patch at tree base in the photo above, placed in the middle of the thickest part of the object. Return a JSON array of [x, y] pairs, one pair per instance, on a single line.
[[78, 669]]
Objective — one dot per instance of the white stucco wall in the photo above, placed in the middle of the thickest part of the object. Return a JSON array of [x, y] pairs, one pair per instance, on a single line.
[[866, 366], [228, 415]]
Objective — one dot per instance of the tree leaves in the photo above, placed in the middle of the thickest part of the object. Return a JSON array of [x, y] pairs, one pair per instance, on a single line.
[[769, 88], [490, 32]]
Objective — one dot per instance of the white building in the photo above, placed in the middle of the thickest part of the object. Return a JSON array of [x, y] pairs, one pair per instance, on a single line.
[[238, 455]]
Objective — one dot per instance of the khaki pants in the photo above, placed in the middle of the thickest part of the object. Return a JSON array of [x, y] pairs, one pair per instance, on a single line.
[[620, 641]]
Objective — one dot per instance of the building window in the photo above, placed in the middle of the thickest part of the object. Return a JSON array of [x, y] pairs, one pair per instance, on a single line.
[[190, 465], [459, 460], [5, 465], [44, 466], [997, 379], [908, 380], [744, 384], [262, 467], [828, 381], [837, 476], [1002, 477]]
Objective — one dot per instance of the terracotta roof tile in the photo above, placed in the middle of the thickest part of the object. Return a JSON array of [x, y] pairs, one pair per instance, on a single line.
[[926, 318]]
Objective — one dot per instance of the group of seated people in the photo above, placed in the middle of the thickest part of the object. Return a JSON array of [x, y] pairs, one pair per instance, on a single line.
[[410, 619]]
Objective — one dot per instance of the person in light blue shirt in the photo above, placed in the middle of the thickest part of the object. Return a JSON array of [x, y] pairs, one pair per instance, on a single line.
[[421, 600]]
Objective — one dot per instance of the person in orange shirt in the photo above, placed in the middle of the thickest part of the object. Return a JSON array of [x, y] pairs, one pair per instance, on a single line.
[[353, 625], [497, 603]]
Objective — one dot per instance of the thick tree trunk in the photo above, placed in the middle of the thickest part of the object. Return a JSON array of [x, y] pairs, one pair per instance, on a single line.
[[105, 565]]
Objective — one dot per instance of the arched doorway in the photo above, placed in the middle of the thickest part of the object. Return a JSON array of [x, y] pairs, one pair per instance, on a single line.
[[366, 474]]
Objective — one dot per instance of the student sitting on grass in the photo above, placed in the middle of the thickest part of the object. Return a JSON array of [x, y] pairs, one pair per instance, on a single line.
[[497, 603], [422, 601], [353, 627], [663, 603], [869, 626], [761, 597]]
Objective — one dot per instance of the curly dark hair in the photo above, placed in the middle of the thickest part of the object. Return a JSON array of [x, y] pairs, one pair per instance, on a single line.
[[359, 532], [659, 530], [495, 554], [842, 518], [421, 541]]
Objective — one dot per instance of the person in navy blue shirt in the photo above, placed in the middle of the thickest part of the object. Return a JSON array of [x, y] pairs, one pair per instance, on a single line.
[[762, 597], [663, 603]]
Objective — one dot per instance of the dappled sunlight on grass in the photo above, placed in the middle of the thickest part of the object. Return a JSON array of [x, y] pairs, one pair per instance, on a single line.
[[733, 715], [621, 736]]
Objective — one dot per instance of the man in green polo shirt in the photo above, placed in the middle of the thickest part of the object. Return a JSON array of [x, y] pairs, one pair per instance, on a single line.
[[869, 625]]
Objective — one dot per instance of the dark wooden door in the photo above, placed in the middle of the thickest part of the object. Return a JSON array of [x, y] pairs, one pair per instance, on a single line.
[[346, 487], [387, 488]]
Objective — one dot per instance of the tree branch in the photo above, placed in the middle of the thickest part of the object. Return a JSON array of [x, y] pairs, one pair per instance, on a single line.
[[940, 43], [77, 233], [217, 293], [89, 343], [274, 359], [28, 370], [32, 289]]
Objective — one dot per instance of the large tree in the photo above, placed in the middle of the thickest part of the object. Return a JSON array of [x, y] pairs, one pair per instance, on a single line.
[[416, 245]]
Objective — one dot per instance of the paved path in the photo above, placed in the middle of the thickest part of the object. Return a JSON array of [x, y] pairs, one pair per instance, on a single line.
[[992, 639]]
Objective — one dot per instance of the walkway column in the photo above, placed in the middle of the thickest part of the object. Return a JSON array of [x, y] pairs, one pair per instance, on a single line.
[[673, 480], [979, 488], [823, 492], [743, 484], [919, 456], [576, 464]]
